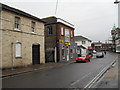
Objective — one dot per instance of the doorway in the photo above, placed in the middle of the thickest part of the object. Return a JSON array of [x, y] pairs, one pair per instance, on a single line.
[[68, 53], [36, 54]]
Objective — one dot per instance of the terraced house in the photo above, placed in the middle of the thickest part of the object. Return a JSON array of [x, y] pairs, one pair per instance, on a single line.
[[59, 40], [22, 38]]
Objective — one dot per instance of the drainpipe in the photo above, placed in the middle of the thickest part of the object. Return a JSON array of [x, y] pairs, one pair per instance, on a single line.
[[55, 54], [12, 55], [1, 46]]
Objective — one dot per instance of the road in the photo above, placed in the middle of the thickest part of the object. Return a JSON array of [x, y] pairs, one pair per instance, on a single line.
[[76, 75]]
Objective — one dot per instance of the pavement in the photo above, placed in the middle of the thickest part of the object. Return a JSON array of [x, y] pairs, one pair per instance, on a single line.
[[31, 68]]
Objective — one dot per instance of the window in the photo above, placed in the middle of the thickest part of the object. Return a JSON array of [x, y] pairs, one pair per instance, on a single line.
[[62, 31], [63, 52], [72, 52], [17, 23], [50, 31], [33, 26], [18, 49], [83, 42], [71, 33], [67, 35]]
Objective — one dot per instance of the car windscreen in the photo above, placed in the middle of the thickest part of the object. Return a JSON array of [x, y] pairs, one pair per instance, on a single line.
[[99, 53], [83, 55]]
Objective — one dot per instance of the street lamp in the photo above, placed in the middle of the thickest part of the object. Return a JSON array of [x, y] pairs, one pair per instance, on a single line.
[[116, 2]]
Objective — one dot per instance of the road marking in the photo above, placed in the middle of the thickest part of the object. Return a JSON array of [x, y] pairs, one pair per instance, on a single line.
[[99, 75], [80, 79]]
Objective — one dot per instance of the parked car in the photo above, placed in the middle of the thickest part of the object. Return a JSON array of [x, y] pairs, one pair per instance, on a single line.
[[84, 58], [94, 52], [99, 55]]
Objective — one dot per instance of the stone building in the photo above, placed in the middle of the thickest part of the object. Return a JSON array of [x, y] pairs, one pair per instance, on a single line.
[[117, 39], [22, 38], [59, 40]]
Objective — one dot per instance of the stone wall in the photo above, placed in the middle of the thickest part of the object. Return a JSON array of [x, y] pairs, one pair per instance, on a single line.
[[25, 37]]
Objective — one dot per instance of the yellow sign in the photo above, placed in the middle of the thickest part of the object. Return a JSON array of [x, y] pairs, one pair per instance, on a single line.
[[61, 41], [67, 42]]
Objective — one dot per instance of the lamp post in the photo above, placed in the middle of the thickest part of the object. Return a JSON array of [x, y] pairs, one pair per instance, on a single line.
[[117, 45], [116, 2]]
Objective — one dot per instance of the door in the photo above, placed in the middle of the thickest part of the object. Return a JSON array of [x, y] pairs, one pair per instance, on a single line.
[[67, 53], [36, 54], [50, 56]]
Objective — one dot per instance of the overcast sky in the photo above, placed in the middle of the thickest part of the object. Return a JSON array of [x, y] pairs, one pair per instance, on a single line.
[[91, 18]]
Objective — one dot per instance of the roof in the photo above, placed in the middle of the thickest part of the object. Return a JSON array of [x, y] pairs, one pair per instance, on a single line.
[[54, 20], [97, 42], [82, 47], [19, 12], [49, 17], [81, 38]]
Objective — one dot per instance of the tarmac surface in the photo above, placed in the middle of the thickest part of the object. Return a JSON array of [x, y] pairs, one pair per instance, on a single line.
[[109, 79], [60, 75]]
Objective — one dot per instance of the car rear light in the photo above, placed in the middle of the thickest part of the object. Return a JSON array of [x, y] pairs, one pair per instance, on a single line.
[[76, 58]]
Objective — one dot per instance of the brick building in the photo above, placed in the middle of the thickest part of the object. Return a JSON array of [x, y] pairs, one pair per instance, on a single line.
[[59, 40], [21, 38], [97, 46], [106, 47]]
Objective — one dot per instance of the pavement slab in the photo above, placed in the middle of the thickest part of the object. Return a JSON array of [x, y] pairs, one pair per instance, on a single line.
[[20, 70]]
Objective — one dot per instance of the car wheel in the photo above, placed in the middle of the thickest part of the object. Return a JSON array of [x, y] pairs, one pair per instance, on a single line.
[[77, 61], [89, 60]]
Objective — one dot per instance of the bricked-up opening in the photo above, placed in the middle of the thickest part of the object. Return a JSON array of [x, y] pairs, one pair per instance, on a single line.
[[36, 54]]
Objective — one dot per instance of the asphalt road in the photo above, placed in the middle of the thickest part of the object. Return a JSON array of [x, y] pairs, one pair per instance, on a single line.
[[76, 75]]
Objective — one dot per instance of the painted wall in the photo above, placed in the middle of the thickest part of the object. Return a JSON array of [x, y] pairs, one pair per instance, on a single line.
[[87, 43]]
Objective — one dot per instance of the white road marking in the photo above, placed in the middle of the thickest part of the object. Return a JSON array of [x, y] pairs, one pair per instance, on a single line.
[[98, 76], [80, 79]]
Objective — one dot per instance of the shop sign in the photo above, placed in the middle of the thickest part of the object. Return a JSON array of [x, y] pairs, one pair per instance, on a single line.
[[61, 41], [67, 42]]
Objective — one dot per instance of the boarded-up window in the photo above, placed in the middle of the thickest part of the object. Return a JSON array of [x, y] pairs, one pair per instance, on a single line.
[[18, 49]]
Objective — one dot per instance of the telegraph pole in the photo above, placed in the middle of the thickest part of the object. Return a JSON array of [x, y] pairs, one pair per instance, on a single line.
[[56, 7]]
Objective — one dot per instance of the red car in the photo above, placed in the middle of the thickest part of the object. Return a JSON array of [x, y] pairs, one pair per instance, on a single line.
[[83, 58]]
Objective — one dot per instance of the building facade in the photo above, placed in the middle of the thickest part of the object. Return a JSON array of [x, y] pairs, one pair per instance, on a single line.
[[59, 40], [83, 44], [106, 47], [97, 46], [119, 14], [22, 38], [115, 32], [116, 42]]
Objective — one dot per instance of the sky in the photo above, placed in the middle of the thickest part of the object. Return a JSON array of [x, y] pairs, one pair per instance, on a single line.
[[93, 19]]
